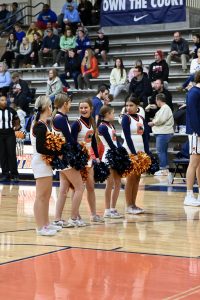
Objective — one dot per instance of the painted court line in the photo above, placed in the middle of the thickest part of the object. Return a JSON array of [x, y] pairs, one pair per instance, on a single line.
[[184, 294]]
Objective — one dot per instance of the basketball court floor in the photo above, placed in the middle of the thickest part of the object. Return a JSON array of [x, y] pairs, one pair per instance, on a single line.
[[147, 257]]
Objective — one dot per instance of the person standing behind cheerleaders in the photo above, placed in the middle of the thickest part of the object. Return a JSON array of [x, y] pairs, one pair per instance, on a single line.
[[69, 176], [135, 140], [107, 135], [42, 172], [83, 131]]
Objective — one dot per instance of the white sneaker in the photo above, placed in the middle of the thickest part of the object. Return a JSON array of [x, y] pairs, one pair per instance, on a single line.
[[54, 227], [55, 65], [114, 214], [162, 173], [96, 219], [46, 231], [33, 66], [62, 223], [134, 210], [191, 201], [81, 223], [106, 214], [41, 66], [72, 223]]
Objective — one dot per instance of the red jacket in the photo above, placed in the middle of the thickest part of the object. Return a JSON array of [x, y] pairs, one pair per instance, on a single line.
[[94, 69]]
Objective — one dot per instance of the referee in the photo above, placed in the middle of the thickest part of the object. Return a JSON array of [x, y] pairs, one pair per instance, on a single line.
[[9, 121]]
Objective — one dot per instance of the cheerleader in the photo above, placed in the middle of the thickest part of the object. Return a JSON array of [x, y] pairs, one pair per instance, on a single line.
[[83, 130], [42, 172], [107, 135], [69, 176], [135, 139]]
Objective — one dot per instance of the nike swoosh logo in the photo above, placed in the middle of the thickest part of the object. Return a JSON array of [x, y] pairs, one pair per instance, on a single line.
[[136, 19]]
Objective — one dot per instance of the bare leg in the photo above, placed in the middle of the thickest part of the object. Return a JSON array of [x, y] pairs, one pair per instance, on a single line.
[[108, 191], [90, 191], [191, 171], [198, 173], [116, 190], [131, 189], [104, 56], [63, 190], [41, 205]]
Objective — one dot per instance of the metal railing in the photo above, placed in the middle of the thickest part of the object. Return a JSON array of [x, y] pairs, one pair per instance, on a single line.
[[193, 3]]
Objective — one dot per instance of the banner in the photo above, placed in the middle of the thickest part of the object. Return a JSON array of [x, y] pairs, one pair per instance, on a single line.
[[142, 12]]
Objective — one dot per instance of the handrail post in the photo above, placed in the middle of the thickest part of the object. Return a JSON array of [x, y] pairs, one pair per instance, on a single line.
[[29, 11]]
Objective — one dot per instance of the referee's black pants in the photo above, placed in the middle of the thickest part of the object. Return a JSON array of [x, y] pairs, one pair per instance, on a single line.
[[8, 159]]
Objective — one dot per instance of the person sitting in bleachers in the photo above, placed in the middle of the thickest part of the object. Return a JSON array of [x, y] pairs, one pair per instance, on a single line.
[[54, 84], [140, 86], [81, 27], [131, 73], [83, 43], [5, 79], [25, 49], [195, 63], [85, 12], [50, 47], [89, 69], [19, 33], [101, 46], [96, 12], [36, 46], [118, 78], [50, 26], [20, 93], [4, 14], [179, 51], [196, 41], [16, 15], [12, 48], [72, 68], [159, 69], [32, 30], [67, 41], [71, 17], [46, 15]]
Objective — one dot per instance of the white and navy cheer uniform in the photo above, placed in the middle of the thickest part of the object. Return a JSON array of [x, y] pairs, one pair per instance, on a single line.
[[83, 131], [107, 135], [134, 134], [38, 139]]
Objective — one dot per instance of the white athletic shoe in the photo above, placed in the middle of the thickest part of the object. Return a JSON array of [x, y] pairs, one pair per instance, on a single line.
[[81, 222], [33, 66], [55, 65], [96, 219], [162, 173], [191, 201], [114, 214], [45, 231], [62, 223], [72, 223], [54, 227], [134, 210]]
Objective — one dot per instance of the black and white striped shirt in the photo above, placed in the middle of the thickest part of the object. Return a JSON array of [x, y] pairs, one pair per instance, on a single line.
[[7, 116]]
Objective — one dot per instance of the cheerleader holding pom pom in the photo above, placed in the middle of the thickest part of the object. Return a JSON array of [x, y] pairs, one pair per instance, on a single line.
[[69, 176], [83, 131], [107, 135], [135, 141], [42, 171]]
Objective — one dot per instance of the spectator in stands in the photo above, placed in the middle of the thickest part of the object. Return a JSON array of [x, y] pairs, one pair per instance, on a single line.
[[118, 78], [5, 79], [16, 15], [8, 160], [46, 15], [50, 26], [179, 51], [101, 46], [81, 27], [50, 47], [19, 33], [159, 69], [196, 41], [71, 17], [131, 73], [54, 84], [162, 127], [12, 47], [193, 131], [20, 94], [96, 12], [83, 43], [152, 108], [36, 47], [99, 100], [140, 86], [4, 14], [64, 7], [67, 41], [25, 49], [89, 69], [72, 68], [32, 30], [85, 12], [195, 63]]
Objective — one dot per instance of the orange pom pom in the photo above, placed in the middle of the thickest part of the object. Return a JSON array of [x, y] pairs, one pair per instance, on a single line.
[[19, 135], [84, 174]]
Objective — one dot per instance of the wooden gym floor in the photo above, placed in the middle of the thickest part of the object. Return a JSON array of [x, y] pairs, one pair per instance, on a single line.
[[148, 257]]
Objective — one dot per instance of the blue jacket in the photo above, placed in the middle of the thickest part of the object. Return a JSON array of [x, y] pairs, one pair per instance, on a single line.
[[49, 16], [83, 44], [51, 42], [72, 16], [193, 111]]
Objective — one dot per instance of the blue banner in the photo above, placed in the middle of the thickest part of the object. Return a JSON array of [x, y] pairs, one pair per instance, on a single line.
[[142, 12]]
